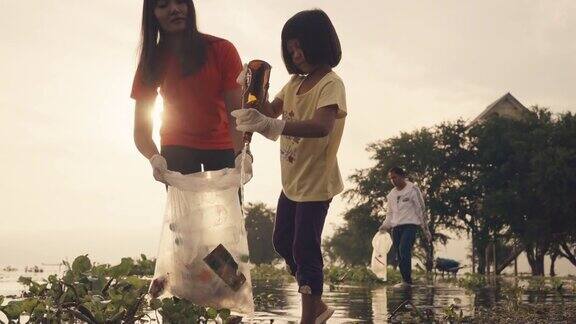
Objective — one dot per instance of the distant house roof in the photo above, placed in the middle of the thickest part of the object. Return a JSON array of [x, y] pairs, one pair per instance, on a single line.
[[505, 106]]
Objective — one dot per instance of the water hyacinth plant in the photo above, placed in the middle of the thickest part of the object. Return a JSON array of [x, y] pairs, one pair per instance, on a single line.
[[95, 294]]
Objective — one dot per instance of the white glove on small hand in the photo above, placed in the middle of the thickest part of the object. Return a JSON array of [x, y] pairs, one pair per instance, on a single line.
[[247, 166], [241, 79], [251, 120], [159, 167]]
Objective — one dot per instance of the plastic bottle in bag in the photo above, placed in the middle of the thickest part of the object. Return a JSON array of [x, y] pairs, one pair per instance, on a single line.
[[381, 244]]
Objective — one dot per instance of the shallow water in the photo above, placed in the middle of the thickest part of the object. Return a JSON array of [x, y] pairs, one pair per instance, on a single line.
[[9, 285], [353, 304], [358, 304], [374, 305]]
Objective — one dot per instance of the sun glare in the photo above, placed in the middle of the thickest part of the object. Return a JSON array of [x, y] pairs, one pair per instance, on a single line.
[[157, 118]]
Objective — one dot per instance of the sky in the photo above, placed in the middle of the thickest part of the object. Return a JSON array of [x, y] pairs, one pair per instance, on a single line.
[[72, 181]]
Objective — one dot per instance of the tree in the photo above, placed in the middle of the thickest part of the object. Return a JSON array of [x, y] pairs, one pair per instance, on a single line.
[[260, 228], [488, 149], [351, 244], [433, 159], [504, 149], [512, 182], [527, 180], [555, 171]]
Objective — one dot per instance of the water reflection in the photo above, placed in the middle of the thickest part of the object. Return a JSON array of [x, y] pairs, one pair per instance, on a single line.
[[429, 300], [351, 304], [280, 302], [485, 297], [380, 305], [355, 304]]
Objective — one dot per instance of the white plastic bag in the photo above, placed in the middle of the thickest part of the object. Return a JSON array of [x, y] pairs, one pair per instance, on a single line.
[[203, 253], [381, 244]]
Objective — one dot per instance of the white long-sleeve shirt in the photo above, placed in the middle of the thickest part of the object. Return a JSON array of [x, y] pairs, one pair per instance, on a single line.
[[405, 206]]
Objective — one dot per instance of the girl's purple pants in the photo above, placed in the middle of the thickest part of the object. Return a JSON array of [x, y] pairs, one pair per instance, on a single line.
[[298, 239]]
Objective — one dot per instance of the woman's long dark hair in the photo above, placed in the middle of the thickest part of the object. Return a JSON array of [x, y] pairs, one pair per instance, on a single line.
[[192, 57]]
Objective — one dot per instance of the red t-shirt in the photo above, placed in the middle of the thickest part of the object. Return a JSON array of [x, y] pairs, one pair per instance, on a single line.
[[194, 112]]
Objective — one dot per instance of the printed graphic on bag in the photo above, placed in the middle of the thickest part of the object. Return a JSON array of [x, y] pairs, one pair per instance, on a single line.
[[222, 262]]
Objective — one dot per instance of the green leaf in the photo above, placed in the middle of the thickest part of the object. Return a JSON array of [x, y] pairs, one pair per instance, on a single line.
[[224, 314], [100, 270], [118, 316], [26, 281], [86, 312], [53, 279], [211, 313], [81, 264], [13, 310], [138, 283], [28, 305], [155, 304], [68, 277], [98, 299], [123, 269]]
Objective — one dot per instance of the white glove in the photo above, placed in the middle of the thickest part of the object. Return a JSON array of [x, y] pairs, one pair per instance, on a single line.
[[159, 167], [251, 120], [247, 166], [241, 79]]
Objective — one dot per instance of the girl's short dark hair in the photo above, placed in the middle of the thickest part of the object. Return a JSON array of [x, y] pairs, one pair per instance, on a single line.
[[317, 37], [398, 170]]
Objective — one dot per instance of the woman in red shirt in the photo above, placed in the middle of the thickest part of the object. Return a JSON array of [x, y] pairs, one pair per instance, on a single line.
[[196, 74]]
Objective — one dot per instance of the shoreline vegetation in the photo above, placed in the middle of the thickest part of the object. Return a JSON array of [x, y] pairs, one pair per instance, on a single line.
[[94, 293]]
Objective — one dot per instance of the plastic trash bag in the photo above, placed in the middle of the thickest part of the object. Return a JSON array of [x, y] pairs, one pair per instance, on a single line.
[[381, 244], [203, 252]]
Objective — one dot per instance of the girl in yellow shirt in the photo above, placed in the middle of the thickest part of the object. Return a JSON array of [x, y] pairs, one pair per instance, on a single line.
[[313, 109]]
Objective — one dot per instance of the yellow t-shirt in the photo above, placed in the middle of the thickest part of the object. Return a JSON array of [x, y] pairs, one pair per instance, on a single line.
[[309, 166]]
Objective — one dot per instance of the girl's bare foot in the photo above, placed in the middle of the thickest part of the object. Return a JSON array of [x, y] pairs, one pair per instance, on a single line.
[[309, 308], [314, 310], [323, 313], [321, 308]]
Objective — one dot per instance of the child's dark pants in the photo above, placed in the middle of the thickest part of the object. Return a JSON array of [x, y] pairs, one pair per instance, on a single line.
[[298, 239]]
